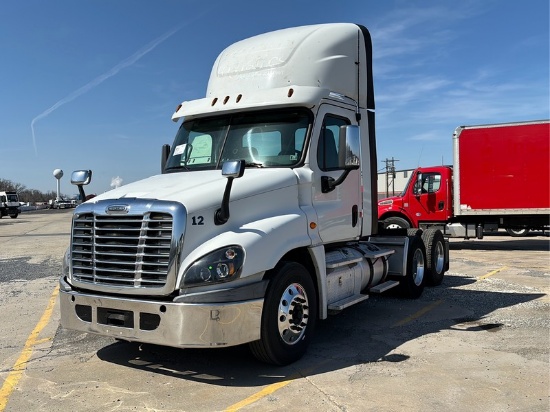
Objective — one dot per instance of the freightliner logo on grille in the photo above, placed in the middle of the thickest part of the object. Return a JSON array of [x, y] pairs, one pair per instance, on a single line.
[[117, 209]]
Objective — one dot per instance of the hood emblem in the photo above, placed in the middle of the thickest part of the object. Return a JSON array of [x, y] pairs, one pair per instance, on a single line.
[[119, 209]]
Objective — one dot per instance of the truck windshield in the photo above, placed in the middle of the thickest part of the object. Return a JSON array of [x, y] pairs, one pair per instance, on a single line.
[[404, 192], [262, 139], [12, 198]]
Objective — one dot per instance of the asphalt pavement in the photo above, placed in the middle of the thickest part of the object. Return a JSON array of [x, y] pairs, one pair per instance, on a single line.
[[478, 342]]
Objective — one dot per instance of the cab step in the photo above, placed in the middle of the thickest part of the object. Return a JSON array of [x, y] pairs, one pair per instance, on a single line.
[[382, 287], [346, 302]]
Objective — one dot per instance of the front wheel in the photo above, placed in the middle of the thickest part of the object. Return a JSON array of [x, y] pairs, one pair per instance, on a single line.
[[14, 215], [518, 232], [396, 222], [288, 317]]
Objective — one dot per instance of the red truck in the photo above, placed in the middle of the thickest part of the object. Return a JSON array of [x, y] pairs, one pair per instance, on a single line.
[[500, 179]]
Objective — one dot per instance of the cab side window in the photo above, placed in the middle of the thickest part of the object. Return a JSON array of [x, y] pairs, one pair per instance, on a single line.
[[431, 182], [329, 143]]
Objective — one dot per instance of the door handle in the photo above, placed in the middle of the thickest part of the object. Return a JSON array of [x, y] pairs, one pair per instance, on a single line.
[[441, 205]]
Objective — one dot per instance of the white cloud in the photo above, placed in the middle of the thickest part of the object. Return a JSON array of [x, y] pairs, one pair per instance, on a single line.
[[116, 182]]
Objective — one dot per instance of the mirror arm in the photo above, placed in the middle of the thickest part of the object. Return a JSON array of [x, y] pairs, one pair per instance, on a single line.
[[232, 169], [164, 157], [222, 214], [82, 194], [328, 184]]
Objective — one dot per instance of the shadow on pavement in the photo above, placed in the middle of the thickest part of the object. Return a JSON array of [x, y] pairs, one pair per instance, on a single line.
[[536, 244], [367, 333]]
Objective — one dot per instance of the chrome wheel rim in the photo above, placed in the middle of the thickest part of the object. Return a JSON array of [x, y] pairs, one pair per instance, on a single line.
[[440, 257], [418, 267], [293, 314]]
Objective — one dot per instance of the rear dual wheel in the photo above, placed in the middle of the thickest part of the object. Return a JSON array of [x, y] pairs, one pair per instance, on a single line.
[[437, 262], [412, 285]]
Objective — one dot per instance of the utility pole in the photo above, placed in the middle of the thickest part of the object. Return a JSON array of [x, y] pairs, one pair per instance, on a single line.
[[390, 176]]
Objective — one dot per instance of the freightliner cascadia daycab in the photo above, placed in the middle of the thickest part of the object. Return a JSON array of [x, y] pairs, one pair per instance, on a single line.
[[263, 220]]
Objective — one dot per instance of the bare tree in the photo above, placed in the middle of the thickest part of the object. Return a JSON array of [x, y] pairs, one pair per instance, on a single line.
[[24, 194]]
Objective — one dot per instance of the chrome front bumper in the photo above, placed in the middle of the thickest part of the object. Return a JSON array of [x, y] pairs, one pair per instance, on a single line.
[[163, 323]]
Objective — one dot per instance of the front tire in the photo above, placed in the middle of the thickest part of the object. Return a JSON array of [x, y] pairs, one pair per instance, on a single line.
[[396, 222], [288, 317]]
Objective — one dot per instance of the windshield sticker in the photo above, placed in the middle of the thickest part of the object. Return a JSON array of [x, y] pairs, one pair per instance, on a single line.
[[179, 149]]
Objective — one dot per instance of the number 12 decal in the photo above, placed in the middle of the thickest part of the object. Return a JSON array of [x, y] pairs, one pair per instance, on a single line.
[[197, 220]]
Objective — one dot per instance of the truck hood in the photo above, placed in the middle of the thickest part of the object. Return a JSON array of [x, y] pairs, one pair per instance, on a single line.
[[389, 204], [202, 189]]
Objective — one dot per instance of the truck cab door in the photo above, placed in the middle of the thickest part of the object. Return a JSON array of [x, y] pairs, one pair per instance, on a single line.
[[339, 211], [430, 197]]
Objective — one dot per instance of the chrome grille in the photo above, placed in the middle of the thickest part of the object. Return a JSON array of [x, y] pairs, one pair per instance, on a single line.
[[123, 251]]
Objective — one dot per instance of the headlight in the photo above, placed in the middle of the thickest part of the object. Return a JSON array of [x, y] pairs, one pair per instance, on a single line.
[[385, 202], [222, 265]]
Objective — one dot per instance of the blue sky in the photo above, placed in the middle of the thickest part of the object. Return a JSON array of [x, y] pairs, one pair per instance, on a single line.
[[93, 84]]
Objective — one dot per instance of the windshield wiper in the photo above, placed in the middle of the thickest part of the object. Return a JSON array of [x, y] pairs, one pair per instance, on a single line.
[[252, 164], [176, 168]]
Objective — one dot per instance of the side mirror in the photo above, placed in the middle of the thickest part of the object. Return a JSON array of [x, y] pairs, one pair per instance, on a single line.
[[350, 147], [164, 156], [348, 156], [418, 184], [81, 178], [233, 168]]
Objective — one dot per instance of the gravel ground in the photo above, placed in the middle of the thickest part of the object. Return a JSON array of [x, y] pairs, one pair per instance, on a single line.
[[478, 342]]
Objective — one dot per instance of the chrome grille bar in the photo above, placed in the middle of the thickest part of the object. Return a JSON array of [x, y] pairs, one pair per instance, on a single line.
[[123, 251]]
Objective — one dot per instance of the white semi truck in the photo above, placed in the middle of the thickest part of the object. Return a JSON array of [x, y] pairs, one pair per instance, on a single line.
[[264, 219], [9, 204]]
